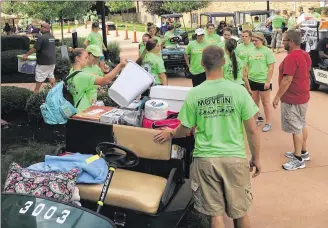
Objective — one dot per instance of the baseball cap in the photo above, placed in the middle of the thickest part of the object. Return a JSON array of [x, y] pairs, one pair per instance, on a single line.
[[95, 25], [200, 31], [94, 50]]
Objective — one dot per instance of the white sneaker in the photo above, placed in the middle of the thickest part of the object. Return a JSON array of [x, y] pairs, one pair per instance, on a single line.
[[294, 164]]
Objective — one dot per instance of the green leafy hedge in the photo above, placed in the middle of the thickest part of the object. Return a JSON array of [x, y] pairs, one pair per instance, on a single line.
[[15, 42], [114, 52], [32, 106], [9, 61], [13, 99]]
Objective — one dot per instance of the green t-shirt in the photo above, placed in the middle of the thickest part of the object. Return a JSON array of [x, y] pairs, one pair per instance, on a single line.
[[167, 36], [291, 22], [243, 50], [217, 108], [258, 64], [222, 44], [227, 70], [95, 38], [154, 64], [195, 50], [93, 69], [141, 48], [277, 21], [257, 26], [315, 15], [213, 39], [82, 88]]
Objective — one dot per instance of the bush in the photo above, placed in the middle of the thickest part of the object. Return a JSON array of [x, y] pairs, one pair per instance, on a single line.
[[13, 99], [62, 68], [24, 155], [69, 42], [33, 104], [9, 60], [15, 42], [114, 52], [103, 96]]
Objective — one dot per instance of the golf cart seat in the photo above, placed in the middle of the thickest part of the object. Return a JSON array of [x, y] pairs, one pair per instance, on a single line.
[[134, 190]]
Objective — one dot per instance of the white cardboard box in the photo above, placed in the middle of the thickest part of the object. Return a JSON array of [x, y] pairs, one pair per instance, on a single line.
[[173, 95]]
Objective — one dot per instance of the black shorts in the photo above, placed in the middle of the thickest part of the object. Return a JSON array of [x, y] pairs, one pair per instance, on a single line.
[[198, 79], [256, 86]]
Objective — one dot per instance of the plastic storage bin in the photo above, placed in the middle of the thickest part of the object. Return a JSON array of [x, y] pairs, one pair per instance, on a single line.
[[28, 66], [133, 81], [173, 95]]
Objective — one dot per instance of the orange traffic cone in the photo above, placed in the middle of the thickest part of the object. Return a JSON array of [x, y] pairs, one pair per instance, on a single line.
[[68, 27], [134, 35], [126, 33], [117, 31]]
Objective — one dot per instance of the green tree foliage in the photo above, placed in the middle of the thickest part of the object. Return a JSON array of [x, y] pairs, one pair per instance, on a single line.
[[49, 10], [120, 6], [155, 7]]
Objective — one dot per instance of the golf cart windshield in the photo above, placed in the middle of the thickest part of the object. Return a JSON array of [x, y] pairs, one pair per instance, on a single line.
[[216, 18], [19, 210]]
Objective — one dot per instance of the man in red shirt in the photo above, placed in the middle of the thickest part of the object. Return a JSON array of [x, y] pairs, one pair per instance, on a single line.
[[294, 93]]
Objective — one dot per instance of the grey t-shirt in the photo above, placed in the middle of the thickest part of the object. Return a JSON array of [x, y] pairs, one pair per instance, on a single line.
[[45, 49]]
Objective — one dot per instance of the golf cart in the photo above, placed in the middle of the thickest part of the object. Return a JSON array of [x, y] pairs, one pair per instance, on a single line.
[[177, 26], [146, 186], [174, 57], [212, 18], [245, 20], [311, 35]]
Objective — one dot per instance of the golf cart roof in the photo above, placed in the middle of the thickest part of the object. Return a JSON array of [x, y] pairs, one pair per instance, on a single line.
[[174, 15], [254, 12], [218, 14]]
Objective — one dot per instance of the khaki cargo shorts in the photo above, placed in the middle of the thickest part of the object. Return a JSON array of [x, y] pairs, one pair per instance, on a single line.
[[221, 185], [293, 117], [42, 72]]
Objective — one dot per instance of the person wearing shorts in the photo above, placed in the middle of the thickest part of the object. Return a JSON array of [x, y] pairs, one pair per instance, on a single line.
[[220, 172], [294, 94], [193, 57], [45, 49], [260, 64]]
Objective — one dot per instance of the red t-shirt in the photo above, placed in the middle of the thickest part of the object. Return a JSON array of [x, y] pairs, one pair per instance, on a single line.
[[297, 64]]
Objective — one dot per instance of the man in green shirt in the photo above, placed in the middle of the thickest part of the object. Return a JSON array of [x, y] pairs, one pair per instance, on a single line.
[[277, 21], [168, 35], [194, 54], [219, 109], [313, 14], [95, 37]]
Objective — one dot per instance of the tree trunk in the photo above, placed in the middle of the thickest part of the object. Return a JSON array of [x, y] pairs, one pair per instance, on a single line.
[[190, 19], [62, 30]]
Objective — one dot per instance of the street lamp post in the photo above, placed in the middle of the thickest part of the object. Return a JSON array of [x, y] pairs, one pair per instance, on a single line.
[[268, 8], [103, 23]]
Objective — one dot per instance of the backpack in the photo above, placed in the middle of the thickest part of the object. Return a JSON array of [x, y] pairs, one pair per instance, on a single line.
[[58, 107]]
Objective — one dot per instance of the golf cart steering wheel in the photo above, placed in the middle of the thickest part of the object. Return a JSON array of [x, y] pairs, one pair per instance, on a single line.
[[117, 155], [178, 26], [175, 40]]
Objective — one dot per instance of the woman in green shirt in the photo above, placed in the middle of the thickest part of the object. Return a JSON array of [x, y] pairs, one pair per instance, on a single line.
[[244, 48], [81, 86], [210, 37], [260, 65], [234, 68], [142, 45], [153, 62]]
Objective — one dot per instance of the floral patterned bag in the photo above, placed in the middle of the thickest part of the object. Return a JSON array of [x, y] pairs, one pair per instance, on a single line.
[[57, 185]]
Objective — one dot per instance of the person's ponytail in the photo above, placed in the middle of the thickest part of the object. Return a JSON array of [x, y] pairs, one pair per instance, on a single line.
[[231, 45], [150, 45]]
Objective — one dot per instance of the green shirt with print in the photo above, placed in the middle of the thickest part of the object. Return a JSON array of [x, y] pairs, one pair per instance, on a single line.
[[95, 38], [213, 39], [258, 62], [227, 70], [242, 50], [195, 50], [277, 21], [218, 108], [81, 86], [291, 22], [167, 36], [154, 64]]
